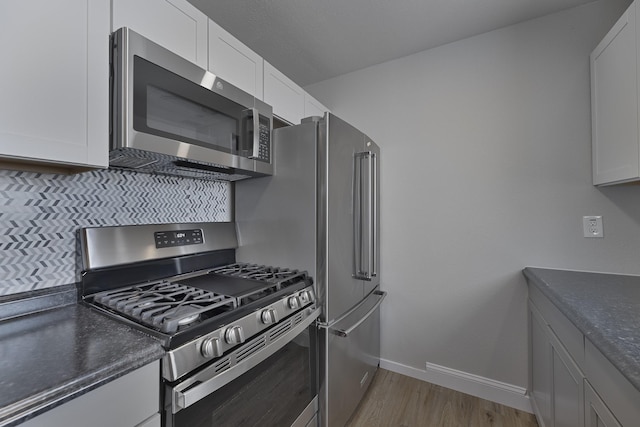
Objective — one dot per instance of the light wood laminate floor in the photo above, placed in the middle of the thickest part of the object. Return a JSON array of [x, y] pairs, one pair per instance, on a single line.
[[395, 400]]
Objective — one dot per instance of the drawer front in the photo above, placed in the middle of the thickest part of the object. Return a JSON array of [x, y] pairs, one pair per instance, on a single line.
[[615, 390], [567, 332]]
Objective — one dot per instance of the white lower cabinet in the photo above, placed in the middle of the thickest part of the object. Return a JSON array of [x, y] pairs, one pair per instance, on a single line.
[[129, 401], [174, 24], [568, 388], [54, 82], [556, 381], [618, 395], [540, 368], [572, 384]]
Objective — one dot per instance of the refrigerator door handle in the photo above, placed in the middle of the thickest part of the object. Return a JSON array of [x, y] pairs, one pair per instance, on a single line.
[[365, 211], [357, 217], [373, 242], [345, 332]]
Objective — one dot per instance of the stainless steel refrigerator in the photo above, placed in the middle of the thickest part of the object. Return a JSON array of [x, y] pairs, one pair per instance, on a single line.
[[320, 212]]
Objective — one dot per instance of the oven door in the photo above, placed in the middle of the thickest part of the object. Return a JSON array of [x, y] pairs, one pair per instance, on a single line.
[[275, 385]]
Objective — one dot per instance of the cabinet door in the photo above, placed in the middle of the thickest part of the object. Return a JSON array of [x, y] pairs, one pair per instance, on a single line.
[[313, 107], [233, 61], [568, 383], [540, 368], [557, 384], [614, 104], [596, 412], [174, 24], [286, 97], [54, 81], [614, 389]]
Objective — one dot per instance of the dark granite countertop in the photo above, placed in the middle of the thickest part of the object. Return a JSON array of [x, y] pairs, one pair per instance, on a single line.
[[605, 307], [50, 357]]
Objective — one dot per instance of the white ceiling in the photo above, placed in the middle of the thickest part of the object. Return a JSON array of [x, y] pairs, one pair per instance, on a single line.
[[314, 40]]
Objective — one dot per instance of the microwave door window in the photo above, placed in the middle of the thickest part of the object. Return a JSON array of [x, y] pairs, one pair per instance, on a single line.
[[173, 107], [191, 122]]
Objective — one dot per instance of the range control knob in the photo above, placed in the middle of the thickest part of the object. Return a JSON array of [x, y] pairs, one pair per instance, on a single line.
[[307, 296], [211, 347], [269, 316], [234, 335], [293, 302]]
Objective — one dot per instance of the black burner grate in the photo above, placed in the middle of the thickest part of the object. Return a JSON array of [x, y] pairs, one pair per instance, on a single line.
[[258, 272], [165, 306]]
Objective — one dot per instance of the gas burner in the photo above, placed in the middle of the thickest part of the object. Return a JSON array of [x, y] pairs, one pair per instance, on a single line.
[[185, 314]]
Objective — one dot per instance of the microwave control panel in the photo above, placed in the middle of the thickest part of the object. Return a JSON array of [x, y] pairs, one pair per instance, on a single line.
[[264, 140]]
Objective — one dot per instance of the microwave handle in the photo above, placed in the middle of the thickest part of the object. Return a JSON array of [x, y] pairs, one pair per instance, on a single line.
[[255, 144]]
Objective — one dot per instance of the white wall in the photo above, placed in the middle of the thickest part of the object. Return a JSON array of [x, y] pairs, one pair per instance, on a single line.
[[486, 169]]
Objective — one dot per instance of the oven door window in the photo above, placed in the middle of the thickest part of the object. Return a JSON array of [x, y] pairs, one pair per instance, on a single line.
[[173, 107], [272, 394]]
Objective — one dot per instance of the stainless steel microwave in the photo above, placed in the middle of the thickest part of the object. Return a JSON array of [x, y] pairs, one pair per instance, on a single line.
[[170, 116]]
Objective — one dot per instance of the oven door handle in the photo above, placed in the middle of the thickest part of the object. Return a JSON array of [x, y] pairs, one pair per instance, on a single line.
[[208, 381]]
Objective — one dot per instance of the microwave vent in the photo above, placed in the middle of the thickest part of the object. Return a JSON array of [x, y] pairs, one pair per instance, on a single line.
[[203, 174], [129, 162], [156, 163]]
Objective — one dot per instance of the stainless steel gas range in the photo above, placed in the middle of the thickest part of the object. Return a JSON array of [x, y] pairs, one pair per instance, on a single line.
[[240, 338]]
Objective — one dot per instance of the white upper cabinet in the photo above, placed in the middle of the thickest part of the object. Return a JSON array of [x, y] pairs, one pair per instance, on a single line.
[[614, 104], [286, 97], [54, 81], [233, 61], [174, 24], [313, 107]]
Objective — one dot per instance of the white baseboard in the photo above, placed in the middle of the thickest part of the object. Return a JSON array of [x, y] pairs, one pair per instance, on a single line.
[[475, 385]]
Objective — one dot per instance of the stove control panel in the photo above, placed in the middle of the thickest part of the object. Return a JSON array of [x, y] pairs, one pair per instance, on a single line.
[[221, 341], [169, 239]]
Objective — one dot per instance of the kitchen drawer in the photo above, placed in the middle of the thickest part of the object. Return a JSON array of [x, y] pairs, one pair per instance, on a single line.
[[618, 394], [567, 333]]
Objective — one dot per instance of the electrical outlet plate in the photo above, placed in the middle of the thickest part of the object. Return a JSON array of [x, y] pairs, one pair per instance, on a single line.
[[592, 226]]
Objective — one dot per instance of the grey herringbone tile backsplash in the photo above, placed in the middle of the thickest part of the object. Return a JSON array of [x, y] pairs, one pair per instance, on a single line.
[[40, 213]]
